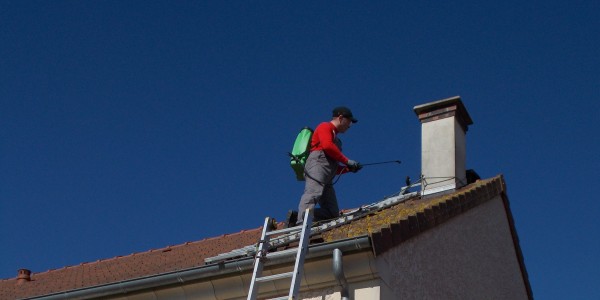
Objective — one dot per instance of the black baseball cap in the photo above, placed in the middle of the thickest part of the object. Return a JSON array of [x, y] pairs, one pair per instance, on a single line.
[[344, 112]]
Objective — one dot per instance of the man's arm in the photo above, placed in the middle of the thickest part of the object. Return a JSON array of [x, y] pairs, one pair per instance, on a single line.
[[326, 137]]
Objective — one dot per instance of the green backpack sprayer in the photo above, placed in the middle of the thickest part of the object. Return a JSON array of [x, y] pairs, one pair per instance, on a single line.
[[300, 152]]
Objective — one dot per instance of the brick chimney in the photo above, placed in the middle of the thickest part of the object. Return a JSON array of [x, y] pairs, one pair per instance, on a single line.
[[444, 124], [23, 275]]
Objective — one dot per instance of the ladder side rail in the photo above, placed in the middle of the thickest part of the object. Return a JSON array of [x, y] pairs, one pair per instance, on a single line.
[[263, 248], [302, 250]]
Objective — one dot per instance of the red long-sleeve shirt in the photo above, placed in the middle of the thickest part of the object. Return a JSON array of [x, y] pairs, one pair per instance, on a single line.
[[323, 138]]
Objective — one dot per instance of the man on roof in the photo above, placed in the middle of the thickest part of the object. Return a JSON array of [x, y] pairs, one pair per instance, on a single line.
[[324, 162]]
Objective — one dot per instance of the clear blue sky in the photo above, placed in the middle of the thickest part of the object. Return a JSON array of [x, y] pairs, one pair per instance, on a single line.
[[133, 125]]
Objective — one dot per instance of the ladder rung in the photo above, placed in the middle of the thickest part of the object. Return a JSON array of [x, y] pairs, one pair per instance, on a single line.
[[280, 298], [274, 277], [285, 230]]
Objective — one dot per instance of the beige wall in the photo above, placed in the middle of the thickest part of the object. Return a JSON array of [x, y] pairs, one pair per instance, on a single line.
[[365, 289], [471, 256]]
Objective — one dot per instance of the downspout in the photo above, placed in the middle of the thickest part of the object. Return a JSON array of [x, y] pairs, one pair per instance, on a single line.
[[338, 271]]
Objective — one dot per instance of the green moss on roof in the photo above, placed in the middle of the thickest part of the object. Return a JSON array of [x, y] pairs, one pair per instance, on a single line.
[[460, 200]]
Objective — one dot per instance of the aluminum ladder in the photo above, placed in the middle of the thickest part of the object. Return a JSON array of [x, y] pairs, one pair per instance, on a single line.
[[262, 256]]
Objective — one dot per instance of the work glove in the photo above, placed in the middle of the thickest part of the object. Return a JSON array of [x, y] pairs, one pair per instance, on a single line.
[[353, 166]]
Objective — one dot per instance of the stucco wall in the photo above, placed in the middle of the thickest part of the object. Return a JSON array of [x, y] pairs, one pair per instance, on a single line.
[[361, 290], [471, 256]]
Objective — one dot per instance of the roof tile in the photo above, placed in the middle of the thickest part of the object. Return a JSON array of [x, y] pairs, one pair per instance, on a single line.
[[136, 265]]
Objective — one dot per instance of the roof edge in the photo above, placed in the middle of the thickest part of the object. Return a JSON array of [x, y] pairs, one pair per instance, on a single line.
[[447, 207], [361, 243], [516, 243]]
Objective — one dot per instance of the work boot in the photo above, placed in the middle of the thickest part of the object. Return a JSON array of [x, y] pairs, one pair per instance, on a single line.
[[291, 218]]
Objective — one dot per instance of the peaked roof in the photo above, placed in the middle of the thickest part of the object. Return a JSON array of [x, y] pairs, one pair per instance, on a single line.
[[386, 227]]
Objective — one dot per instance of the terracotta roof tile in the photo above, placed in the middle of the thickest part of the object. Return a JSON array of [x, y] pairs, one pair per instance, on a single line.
[[136, 265]]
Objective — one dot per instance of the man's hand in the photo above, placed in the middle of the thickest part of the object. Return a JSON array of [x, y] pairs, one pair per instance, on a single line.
[[353, 166]]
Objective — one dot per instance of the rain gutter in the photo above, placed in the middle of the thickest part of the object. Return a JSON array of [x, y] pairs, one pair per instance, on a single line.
[[203, 272]]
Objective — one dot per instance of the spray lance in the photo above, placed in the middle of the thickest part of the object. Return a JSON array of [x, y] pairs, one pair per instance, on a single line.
[[360, 166], [382, 162], [404, 190]]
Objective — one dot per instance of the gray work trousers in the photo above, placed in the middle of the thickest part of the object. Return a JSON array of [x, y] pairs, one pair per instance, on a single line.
[[319, 172]]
